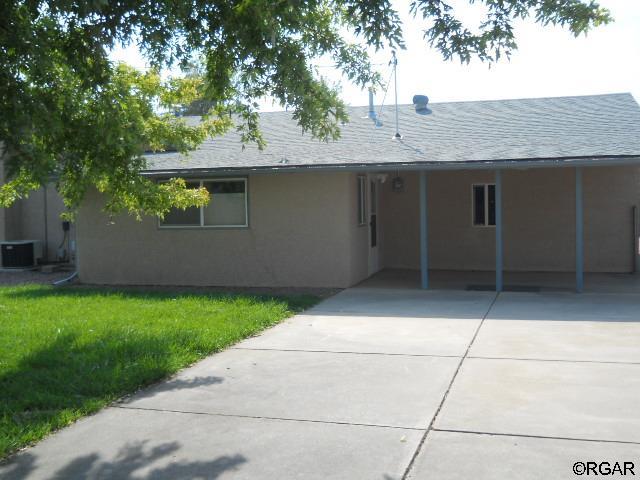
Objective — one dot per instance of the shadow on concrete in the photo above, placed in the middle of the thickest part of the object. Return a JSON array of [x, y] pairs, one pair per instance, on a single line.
[[134, 460], [174, 385]]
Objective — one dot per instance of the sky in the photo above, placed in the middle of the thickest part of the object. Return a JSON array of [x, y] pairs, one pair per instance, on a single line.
[[549, 62]]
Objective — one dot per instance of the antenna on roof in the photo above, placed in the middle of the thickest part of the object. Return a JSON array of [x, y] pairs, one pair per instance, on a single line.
[[420, 102], [394, 64]]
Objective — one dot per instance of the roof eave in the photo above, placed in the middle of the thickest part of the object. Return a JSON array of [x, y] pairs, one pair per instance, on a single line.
[[517, 164]]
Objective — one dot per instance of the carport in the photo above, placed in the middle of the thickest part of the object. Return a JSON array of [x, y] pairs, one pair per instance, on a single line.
[[531, 189], [543, 225], [577, 166]]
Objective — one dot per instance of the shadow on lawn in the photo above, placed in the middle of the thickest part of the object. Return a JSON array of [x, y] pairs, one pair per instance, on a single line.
[[127, 464], [75, 374], [69, 378]]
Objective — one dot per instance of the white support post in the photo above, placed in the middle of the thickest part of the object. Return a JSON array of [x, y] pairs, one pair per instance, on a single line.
[[499, 246], [579, 233], [424, 257]]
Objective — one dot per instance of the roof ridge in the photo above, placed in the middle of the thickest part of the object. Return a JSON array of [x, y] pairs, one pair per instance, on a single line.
[[466, 102], [517, 99]]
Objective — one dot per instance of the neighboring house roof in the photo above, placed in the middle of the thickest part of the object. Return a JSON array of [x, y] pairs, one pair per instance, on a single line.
[[457, 134]]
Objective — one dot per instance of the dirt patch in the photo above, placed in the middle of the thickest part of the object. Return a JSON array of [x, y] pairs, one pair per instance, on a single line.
[[20, 277]]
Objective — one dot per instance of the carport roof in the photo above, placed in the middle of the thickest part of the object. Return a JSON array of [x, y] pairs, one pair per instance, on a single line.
[[508, 133]]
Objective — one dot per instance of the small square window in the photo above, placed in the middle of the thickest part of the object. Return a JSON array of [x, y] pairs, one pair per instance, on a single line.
[[484, 205]]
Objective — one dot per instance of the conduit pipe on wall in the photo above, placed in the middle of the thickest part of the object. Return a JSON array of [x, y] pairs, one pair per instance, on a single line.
[[65, 280]]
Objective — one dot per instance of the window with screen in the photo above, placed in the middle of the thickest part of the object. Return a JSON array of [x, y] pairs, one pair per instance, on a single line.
[[228, 204]]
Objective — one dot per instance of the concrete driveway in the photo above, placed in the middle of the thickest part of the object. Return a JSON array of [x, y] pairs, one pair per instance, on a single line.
[[384, 384]]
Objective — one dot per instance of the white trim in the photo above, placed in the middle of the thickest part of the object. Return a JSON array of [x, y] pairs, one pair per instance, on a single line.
[[362, 212], [486, 205], [202, 225], [371, 185]]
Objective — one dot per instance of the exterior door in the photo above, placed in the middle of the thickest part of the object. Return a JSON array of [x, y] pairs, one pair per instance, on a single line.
[[374, 237]]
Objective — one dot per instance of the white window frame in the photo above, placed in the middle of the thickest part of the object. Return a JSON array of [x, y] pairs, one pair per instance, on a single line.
[[486, 205], [202, 225], [362, 200]]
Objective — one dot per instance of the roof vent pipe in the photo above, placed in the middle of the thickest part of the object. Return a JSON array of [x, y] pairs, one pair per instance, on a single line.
[[372, 111]]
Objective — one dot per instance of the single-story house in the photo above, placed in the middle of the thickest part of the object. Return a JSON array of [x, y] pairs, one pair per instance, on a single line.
[[529, 185]]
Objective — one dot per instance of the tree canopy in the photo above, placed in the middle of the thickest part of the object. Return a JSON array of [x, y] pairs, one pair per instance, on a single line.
[[67, 112]]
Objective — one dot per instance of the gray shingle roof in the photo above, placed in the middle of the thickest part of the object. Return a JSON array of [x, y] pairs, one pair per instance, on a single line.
[[584, 127]]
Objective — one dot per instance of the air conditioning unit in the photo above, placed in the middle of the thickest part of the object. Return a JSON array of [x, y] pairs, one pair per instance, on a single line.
[[21, 253]]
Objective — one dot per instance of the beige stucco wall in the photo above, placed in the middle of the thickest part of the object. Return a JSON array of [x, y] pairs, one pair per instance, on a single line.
[[538, 219], [300, 234], [32, 219], [25, 219]]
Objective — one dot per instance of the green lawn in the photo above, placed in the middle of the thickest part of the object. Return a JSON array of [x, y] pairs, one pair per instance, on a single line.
[[66, 352]]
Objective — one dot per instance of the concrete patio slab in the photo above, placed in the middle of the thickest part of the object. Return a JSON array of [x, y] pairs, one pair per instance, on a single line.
[[584, 307], [399, 391], [594, 401], [555, 340], [119, 443], [462, 456], [364, 334], [541, 281], [589, 327], [406, 303], [373, 320]]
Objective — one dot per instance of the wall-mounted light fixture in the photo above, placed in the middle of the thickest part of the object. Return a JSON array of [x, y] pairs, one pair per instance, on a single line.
[[397, 184]]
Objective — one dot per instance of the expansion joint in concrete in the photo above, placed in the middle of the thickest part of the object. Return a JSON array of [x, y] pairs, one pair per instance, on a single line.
[[446, 393], [261, 417], [542, 437], [385, 354]]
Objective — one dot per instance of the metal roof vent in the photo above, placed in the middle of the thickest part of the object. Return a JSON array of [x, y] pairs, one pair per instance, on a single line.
[[420, 102]]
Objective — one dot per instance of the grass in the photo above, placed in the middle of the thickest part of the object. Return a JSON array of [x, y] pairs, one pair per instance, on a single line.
[[67, 352]]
